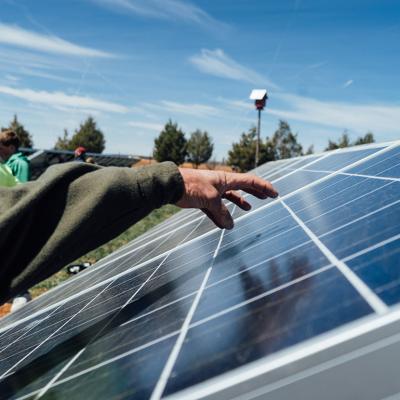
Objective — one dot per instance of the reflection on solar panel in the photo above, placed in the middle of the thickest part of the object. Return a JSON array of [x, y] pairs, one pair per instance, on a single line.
[[300, 300]]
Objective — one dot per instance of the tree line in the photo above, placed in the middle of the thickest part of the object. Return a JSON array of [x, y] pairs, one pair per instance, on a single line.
[[172, 145]]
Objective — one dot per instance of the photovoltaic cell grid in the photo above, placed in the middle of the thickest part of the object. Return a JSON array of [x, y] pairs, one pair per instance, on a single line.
[[186, 302]]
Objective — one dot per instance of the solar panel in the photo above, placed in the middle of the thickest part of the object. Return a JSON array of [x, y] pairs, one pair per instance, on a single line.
[[300, 299], [40, 160]]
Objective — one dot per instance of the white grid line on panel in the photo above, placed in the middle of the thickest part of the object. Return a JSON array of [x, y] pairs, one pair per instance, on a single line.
[[301, 168], [318, 181], [87, 275], [169, 365], [371, 248], [162, 382], [326, 233], [73, 359], [35, 325], [322, 214], [122, 253], [78, 354], [55, 378], [99, 284], [250, 213], [51, 335], [281, 168], [152, 274], [374, 164], [286, 357], [384, 178], [304, 243], [103, 363], [164, 236], [262, 295], [361, 218], [193, 325], [215, 315], [223, 280], [370, 166], [371, 298]]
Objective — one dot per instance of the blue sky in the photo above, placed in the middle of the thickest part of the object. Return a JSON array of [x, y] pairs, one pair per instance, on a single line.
[[134, 64]]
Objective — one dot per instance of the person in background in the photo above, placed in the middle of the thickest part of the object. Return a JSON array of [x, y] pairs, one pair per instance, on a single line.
[[90, 160], [7, 179], [14, 171], [80, 154], [13, 158]]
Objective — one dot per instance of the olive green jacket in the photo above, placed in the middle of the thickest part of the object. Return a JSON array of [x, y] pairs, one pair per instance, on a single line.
[[71, 209]]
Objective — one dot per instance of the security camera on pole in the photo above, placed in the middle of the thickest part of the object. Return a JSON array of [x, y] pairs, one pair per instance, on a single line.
[[260, 97]]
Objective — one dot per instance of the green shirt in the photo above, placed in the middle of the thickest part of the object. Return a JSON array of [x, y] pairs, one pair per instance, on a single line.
[[19, 166], [6, 176], [71, 209]]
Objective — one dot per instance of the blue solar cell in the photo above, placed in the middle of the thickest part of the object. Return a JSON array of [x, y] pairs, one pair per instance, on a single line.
[[338, 160], [286, 185], [364, 233], [251, 276], [133, 376], [330, 193], [256, 240], [344, 207], [266, 325], [386, 164], [380, 270]]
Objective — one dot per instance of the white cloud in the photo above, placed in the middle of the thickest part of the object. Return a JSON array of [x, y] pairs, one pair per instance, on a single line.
[[378, 118], [238, 104], [163, 9], [16, 36], [146, 125], [60, 99], [199, 110], [217, 63], [348, 83], [12, 78]]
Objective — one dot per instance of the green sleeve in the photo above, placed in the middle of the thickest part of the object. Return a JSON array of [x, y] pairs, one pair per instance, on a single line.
[[72, 209], [21, 170], [6, 177]]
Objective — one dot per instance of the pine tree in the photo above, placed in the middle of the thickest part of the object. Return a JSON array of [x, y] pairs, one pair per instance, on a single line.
[[368, 138], [310, 150], [24, 136], [170, 144], [88, 136], [64, 143], [284, 142], [344, 141], [199, 148], [242, 154]]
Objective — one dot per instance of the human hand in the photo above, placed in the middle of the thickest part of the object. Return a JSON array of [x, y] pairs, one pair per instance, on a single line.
[[206, 189]]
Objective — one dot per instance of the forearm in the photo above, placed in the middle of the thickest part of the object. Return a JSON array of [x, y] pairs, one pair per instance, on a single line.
[[74, 212]]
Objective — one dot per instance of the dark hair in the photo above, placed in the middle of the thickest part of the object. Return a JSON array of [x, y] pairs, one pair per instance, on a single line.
[[8, 138]]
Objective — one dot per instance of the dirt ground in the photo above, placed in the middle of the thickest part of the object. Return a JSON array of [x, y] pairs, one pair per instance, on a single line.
[[5, 309]]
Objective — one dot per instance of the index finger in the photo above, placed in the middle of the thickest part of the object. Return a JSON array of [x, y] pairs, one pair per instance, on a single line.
[[251, 184]]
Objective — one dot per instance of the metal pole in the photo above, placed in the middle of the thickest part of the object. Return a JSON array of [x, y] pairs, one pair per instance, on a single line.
[[258, 139]]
